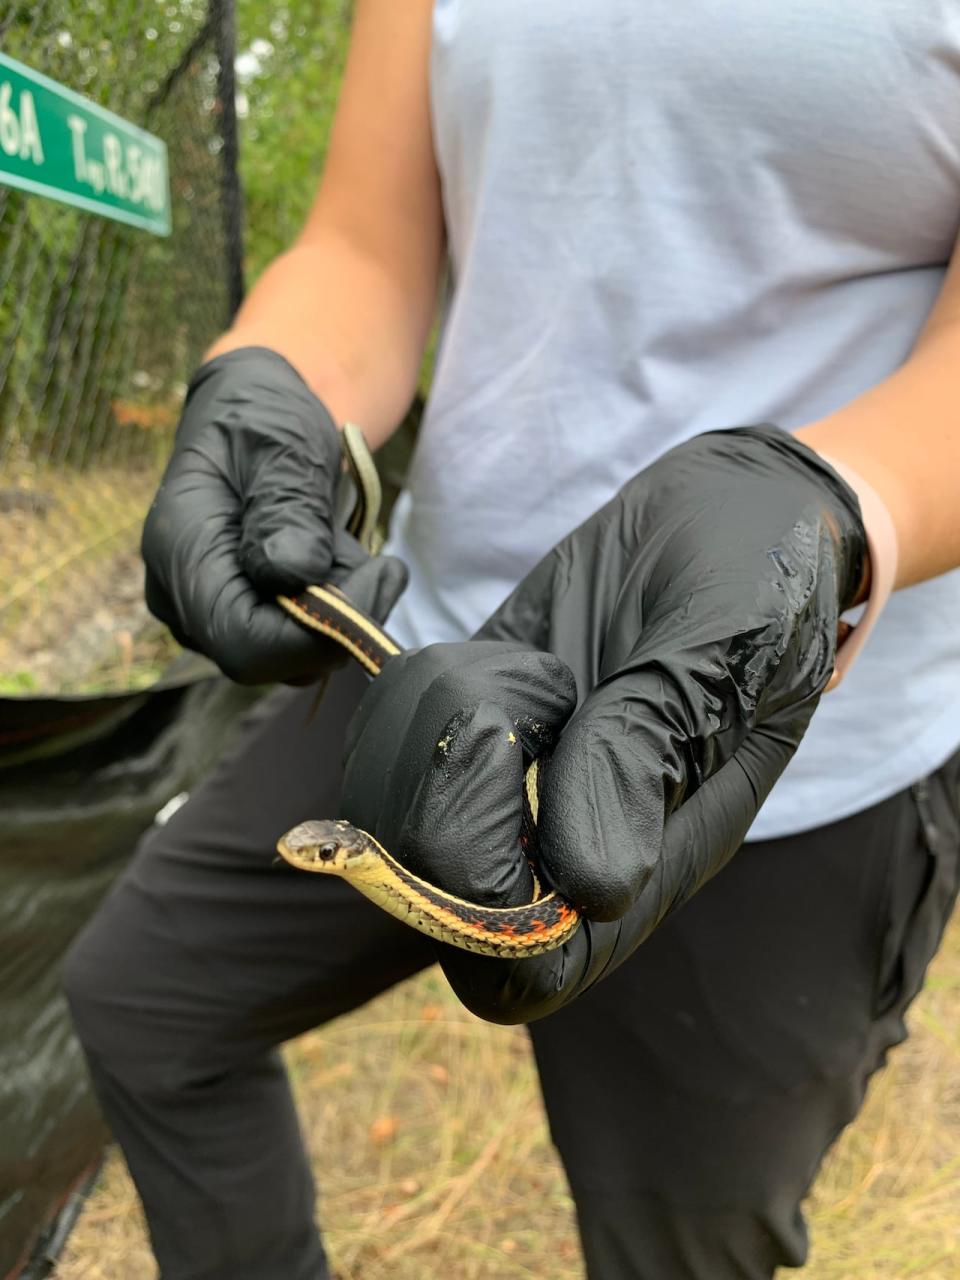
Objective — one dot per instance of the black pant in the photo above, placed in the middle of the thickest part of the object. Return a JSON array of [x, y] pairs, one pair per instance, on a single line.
[[691, 1095]]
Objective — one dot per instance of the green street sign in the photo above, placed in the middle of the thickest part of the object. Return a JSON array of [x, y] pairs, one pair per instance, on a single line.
[[56, 143]]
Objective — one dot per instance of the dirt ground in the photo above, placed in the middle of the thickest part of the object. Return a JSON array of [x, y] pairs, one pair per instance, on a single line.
[[432, 1151]]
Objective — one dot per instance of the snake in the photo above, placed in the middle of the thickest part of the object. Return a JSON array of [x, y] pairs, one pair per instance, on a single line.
[[337, 847]]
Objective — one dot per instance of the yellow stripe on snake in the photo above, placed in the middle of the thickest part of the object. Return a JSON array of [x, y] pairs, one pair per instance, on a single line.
[[334, 847]]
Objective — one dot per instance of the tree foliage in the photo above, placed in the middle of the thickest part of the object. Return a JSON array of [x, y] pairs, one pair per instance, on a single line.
[[289, 67], [93, 312]]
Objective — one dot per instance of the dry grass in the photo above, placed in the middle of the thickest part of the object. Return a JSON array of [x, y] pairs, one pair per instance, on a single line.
[[436, 1160], [72, 614]]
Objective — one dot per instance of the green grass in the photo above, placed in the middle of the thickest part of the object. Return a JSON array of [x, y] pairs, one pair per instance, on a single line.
[[18, 682]]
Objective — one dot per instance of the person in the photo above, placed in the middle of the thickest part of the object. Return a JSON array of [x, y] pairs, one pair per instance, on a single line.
[[694, 397]]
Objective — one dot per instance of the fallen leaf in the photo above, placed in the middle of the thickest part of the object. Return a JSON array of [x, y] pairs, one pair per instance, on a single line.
[[383, 1130]]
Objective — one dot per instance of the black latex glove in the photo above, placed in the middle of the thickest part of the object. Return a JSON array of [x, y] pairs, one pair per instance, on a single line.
[[436, 754], [698, 612], [245, 511]]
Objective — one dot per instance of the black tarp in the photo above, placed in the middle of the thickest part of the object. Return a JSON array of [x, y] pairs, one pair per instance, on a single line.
[[80, 780]]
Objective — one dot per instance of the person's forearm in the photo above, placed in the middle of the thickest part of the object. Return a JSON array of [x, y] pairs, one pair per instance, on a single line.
[[903, 437], [354, 331]]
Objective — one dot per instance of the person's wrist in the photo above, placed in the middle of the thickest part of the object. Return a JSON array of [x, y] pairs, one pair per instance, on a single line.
[[846, 513], [879, 572], [268, 380], [274, 365], [864, 532], [863, 589]]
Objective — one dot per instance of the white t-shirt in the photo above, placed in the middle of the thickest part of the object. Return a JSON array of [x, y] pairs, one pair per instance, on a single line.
[[669, 218]]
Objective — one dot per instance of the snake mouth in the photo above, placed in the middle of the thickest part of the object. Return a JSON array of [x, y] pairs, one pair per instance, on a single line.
[[323, 856], [322, 845]]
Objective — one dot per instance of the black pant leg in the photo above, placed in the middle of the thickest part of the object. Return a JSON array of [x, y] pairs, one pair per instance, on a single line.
[[693, 1094], [207, 955]]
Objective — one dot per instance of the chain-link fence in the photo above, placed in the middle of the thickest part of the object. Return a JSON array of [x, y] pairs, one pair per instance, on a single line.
[[100, 325]]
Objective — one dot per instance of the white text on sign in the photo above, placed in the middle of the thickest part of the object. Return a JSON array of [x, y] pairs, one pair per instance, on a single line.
[[124, 169], [19, 130]]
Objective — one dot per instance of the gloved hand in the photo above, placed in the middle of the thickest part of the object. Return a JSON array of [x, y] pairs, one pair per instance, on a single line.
[[244, 512], [435, 759], [698, 613]]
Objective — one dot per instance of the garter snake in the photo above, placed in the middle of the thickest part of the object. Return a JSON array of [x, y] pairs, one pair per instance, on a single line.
[[338, 848]]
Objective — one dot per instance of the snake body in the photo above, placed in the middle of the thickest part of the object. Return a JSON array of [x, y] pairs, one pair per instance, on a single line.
[[335, 847]]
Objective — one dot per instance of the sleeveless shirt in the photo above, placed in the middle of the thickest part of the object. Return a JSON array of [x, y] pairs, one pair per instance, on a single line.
[[665, 219]]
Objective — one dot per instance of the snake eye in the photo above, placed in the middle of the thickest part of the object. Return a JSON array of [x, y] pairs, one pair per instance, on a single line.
[[327, 850]]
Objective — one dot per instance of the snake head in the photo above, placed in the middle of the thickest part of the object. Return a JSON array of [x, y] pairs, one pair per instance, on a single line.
[[325, 845]]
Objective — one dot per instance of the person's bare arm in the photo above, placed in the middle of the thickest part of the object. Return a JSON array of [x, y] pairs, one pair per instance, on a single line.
[[351, 303], [903, 437]]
